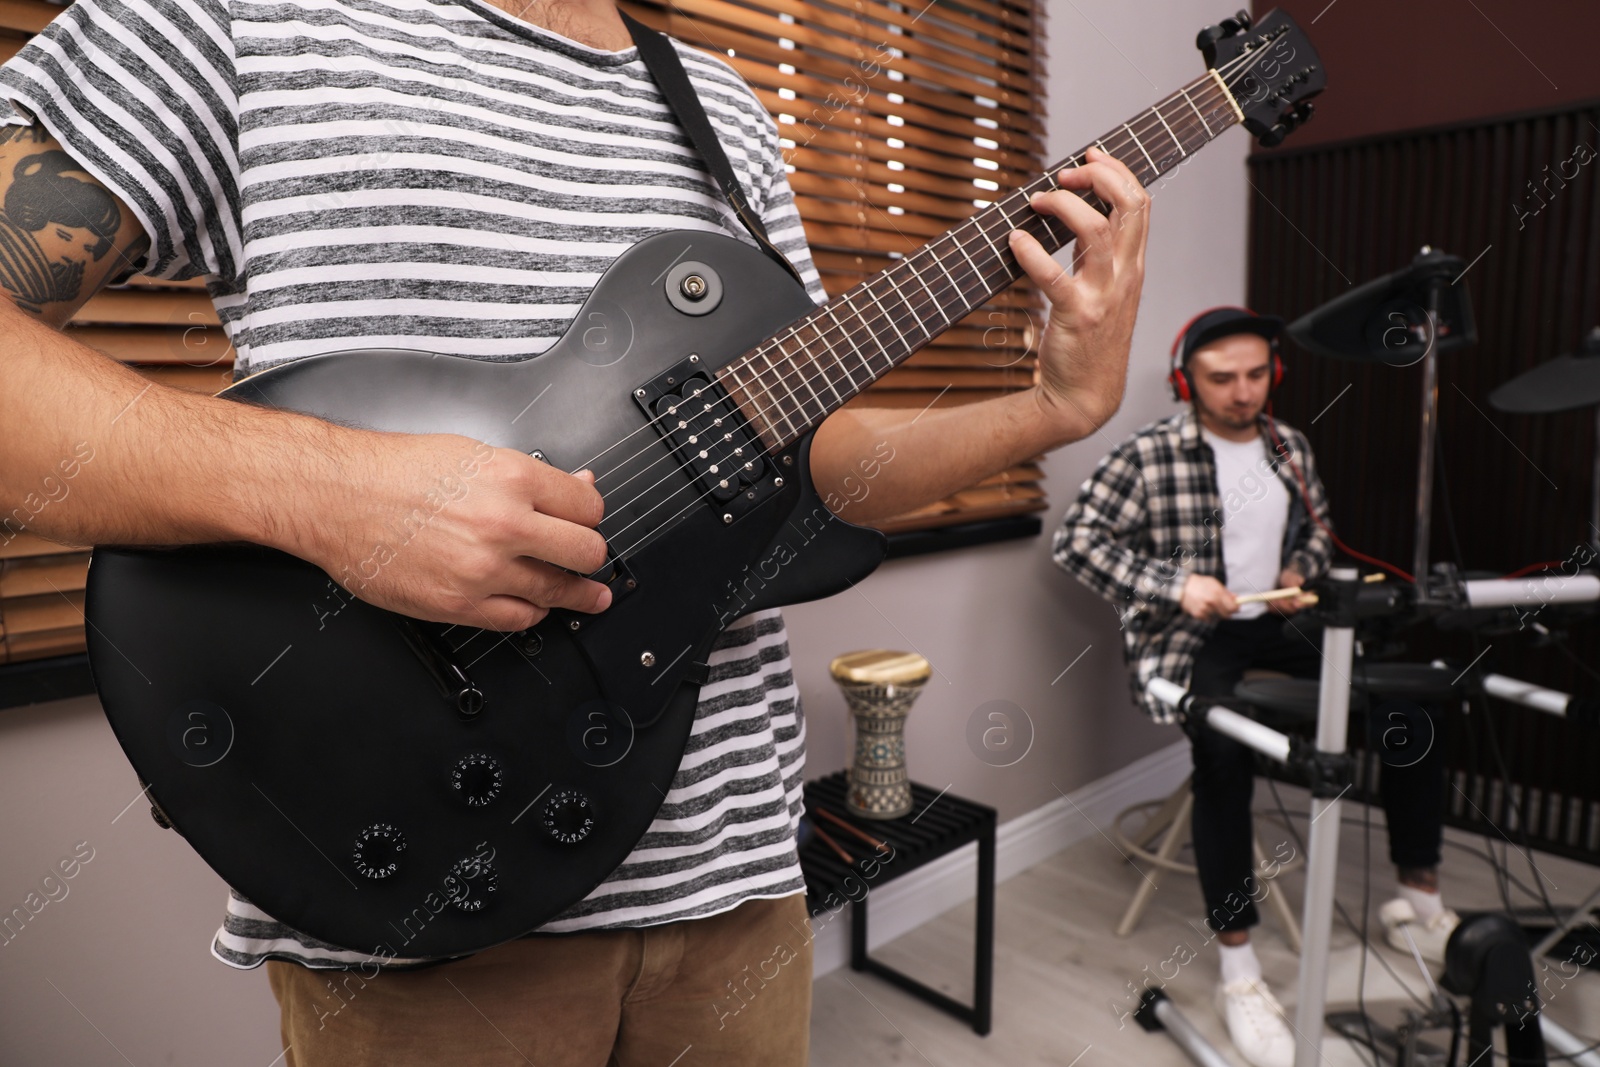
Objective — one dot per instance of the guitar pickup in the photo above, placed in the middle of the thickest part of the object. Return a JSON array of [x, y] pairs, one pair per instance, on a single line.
[[694, 415]]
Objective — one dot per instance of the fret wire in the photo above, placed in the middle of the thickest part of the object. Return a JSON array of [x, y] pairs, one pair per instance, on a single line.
[[867, 286], [850, 299], [871, 374], [838, 360], [981, 275], [816, 359], [822, 407], [1162, 119], [910, 261], [938, 259], [776, 402], [961, 247], [888, 276], [1008, 272], [983, 231], [1154, 169], [789, 400], [756, 374], [733, 373], [1197, 114]]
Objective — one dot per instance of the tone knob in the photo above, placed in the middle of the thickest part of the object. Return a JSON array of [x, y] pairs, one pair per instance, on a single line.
[[477, 779], [470, 883], [377, 851], [568, 816]]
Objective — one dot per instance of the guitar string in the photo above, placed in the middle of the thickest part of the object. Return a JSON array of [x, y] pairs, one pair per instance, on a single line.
[[670, 521], [1249, 60], [1245, 61], [1148, 127], [819, 372], [726, 455], [916, 303], [919, 301]]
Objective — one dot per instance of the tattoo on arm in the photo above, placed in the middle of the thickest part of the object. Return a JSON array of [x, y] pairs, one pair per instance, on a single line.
[[58, 225]]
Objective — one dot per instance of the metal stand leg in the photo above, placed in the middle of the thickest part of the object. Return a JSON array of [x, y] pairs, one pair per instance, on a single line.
[[1157, 1012], [1322, 859], [1169, 846], [983, 964]]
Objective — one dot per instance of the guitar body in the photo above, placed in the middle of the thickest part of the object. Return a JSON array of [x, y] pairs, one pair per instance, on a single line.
[[303, 743]]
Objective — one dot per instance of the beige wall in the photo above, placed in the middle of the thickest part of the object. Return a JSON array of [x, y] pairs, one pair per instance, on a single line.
[[119, 966], [1001, 622]]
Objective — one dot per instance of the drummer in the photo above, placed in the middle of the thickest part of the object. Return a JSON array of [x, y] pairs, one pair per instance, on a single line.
[[1185, 516]]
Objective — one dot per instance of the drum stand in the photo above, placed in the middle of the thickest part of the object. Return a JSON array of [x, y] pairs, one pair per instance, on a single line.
[[1328, 768], [1482, 958]]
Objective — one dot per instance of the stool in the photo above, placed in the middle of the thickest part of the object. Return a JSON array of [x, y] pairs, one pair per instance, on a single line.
[[1172, 815]]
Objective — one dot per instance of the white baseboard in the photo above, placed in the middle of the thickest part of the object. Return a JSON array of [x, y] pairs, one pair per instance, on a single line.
[[906, 903]]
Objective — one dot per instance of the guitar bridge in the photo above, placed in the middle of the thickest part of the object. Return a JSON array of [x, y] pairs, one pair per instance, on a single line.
[[712, 441]]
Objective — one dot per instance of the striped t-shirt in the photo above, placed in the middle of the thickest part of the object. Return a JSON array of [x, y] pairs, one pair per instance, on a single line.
[[438, 175]]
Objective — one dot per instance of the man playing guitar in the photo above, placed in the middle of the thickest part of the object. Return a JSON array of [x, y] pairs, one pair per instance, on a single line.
[[1180, 520], [451, 175]]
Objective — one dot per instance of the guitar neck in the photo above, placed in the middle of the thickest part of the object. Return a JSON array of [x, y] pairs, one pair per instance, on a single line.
[[791, 382]]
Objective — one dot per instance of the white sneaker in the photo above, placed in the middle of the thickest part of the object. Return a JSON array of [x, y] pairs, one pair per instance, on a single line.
[[1398, 917], [1257, 1023]]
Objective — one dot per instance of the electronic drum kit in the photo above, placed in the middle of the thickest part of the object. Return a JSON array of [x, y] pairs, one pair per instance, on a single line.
[[1411, 316]]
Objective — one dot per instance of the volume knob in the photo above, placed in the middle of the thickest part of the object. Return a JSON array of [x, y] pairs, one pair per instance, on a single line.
[[377, 851], [470, 882], [477, 779], [568, 816]]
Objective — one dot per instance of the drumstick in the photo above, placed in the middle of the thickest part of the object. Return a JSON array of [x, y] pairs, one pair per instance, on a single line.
[[1274, 594], [831, 843], [868, 838]]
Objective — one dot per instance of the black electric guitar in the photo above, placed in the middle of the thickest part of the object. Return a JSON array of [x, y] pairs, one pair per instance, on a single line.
[[380, 782]]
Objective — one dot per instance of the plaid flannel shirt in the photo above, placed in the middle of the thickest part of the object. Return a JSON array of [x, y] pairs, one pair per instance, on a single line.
[[1151, 514]]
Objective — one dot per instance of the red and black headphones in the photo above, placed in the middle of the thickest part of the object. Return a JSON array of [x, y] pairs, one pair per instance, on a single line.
[[1178, 377]]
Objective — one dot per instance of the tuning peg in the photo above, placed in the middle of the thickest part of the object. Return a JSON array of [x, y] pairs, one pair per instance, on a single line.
[[1208, 38], [1290, 121]]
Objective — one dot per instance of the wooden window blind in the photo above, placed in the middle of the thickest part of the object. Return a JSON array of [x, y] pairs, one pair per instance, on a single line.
[[899, 120]]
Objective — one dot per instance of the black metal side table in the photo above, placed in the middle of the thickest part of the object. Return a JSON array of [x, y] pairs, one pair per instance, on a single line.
[[938, 824]]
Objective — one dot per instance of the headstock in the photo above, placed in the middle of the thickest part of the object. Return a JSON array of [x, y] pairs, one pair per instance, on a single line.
[[1271, 69]]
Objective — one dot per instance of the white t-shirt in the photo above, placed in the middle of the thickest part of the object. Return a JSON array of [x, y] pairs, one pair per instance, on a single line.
[[1255, 511]]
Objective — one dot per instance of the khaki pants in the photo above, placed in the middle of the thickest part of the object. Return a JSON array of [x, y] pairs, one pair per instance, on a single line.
[[733, 988]]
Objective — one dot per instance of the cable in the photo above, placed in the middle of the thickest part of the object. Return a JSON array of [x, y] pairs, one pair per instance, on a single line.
[[1561, 646], [1489, 729], [1305, 496], [1546, 565], [1343, 914]]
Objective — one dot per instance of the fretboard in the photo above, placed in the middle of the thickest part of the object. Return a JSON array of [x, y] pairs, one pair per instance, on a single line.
[[794, 380]]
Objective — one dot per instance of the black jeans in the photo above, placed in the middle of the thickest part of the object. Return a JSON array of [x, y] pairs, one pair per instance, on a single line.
[[1412, 785]]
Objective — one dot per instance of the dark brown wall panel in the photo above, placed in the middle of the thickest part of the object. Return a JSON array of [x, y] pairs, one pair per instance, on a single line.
[[1326, 217]]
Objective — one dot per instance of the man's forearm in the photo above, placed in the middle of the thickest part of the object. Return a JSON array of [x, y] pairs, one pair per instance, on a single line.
[[95, 453], [873, 463]]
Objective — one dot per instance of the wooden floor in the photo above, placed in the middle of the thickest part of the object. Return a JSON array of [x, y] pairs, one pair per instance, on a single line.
[[1063, 980]]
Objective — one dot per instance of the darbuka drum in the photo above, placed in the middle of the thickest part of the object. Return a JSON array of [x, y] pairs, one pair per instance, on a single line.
[[879, 688]]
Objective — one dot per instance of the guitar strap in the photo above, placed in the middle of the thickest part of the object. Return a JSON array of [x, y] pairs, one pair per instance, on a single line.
[[661, 58]]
